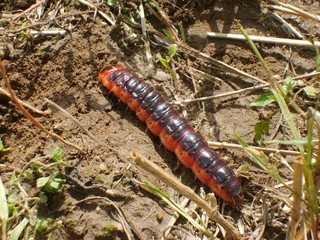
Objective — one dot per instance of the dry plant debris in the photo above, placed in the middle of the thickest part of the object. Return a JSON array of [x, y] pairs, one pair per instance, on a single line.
[[257, 104]]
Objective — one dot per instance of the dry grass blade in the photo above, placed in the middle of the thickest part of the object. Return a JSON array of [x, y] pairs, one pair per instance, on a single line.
[[264, 149], [102, 14], [205, 57], [74, 120], [122, 218], [185, 191], [150, 67], [166, 198], [29, 116], [174, 218]]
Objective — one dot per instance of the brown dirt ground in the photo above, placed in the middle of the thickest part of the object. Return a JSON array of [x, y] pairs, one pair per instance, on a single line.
[[64, 69]]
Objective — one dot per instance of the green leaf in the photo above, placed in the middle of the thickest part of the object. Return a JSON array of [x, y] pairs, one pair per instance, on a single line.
[[317, 57], [11, 209], [311, 91], [289, 85], [16, 232], [50, 184], [42, 224], [112, 3], [2, 148], [3, 203], [163, 61], [57, 155], [172, 50], [260, 130], [41, 182], [264, 100], [29, 175], [43, 198], [169, 35], [261, 159]]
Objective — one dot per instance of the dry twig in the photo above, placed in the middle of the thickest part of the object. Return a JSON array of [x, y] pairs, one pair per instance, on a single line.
[[4, 92]]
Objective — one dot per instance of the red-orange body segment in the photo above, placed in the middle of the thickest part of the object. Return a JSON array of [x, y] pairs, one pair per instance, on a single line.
[[175, 134]]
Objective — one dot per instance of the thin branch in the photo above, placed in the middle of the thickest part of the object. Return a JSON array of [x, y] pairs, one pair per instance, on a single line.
[[308, 75], [249, 89], [4, 92]]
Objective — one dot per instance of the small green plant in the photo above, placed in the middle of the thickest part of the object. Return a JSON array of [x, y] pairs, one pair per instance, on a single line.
[[3, 150], [166, 61], [18, 211], [305, 200], [112, 3], [108, 230], [51, 184]]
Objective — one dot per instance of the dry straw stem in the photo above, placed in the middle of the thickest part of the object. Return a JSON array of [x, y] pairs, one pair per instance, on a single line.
[[249, 89], [48, 32], [267, 150], [29, 116], [284, 41], [4, 92], [163, 18], [185, 191], [297, 11]]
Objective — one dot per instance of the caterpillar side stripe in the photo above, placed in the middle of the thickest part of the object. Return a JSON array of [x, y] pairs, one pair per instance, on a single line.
[[174, 131]]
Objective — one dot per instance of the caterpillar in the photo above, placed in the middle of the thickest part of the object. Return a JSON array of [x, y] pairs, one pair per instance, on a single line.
[[175, 133]]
